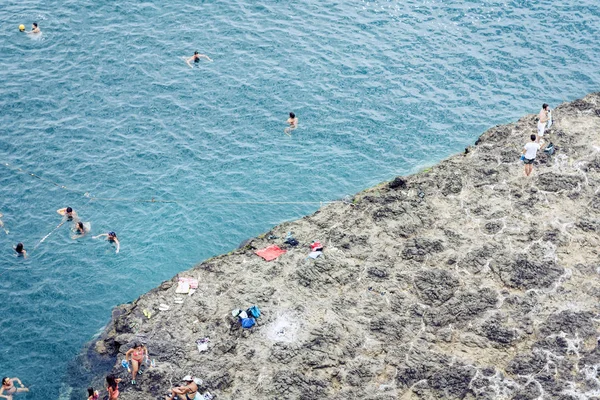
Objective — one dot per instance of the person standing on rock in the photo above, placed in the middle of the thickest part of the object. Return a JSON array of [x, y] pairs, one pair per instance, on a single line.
[[530, 151], [112, 387], [543, 121], [136, 358], [189, 390]]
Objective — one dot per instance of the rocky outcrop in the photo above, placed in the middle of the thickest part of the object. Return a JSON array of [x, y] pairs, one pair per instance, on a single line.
[[467, 280]]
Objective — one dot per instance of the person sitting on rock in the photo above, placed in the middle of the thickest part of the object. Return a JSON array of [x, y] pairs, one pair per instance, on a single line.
[[189, 390]]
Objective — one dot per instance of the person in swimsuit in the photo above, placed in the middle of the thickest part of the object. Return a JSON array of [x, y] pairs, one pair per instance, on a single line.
[[21, 252], [93, 394], [71, 215], [196, 58], [189, 390], [136, 357], [113, 387], [543, 121], [293, 121], [9, 388], [79, 230], [34, 29], [111, 237]]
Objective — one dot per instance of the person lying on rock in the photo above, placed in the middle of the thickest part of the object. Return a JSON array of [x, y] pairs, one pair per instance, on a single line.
[[135, 357], [189, 390]]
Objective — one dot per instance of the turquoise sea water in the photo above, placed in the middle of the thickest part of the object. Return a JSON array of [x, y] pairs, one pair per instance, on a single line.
[[104, 104]]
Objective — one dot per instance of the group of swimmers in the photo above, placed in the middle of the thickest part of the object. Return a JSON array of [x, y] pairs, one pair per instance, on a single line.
[[292, 120], [79, 228]]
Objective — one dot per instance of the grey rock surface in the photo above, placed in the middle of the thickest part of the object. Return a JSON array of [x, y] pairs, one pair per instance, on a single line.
[[464, 281]]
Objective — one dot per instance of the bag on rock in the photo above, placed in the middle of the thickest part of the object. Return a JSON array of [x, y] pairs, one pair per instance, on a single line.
[[248, 323], [549, 149], [254, 312]]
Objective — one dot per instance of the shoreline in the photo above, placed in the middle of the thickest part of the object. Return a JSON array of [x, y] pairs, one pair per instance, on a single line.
[[464, 279]]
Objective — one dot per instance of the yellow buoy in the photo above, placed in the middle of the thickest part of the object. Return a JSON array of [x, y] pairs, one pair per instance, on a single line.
[[21, 27]]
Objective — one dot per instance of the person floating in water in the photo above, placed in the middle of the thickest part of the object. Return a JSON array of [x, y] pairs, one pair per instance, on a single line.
[[34, 29], [80, 230], [196, 58], [68, 214], [293, 121], [21, 252], [9, 388], [111, 237]]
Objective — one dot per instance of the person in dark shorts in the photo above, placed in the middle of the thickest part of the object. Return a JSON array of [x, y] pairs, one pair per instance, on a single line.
[[530, 151]]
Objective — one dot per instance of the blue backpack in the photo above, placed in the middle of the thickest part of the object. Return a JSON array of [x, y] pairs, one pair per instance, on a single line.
[[253, 311], [248, 323]]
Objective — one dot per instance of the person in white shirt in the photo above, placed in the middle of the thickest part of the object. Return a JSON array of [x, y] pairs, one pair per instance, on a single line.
[[530, 151]]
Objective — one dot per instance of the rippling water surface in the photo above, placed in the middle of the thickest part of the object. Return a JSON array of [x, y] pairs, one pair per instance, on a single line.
[[103, 103]]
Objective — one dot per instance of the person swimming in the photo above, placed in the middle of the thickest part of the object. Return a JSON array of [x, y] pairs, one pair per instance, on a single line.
[[196, 58], [293, 121], [111, 237], [80, 230], [8, 387], [34, 29], [21, 252]]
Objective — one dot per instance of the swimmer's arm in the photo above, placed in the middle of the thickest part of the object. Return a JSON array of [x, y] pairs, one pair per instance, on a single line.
[[24, 256], [102, 234], [118, 245], [188, 62], [205, 56], [17, 379], [1, 395]]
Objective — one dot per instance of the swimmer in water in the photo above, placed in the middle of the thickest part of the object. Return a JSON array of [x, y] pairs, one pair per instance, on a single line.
[[196, 58], [111, 237], [71, 215], [34, 29], [21, 252], [8, 387], [2, 224], [80, 230], [293, 121]]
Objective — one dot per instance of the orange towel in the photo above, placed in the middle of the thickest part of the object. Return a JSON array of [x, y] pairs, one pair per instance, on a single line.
[[270, 253]]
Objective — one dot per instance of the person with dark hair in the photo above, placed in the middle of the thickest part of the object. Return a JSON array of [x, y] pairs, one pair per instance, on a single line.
[[136, 357], [111, 237], [34, 29], [112, 387], [196, 58], [543, 121], [8, 387], [530, 152], [93, 394], [80, 230], [21, 252], [293, 121]]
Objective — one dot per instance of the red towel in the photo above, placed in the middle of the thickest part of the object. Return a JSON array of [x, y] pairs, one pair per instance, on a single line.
[[270, 253]]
